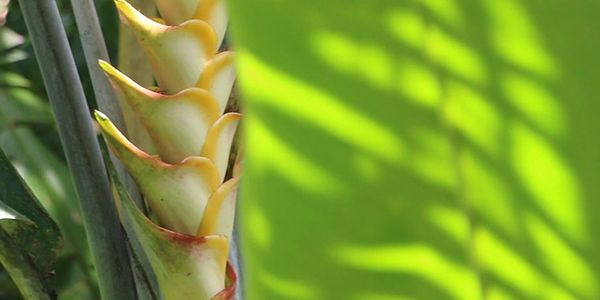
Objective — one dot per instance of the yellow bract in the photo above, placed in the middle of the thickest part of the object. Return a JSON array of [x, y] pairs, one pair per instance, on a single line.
[[183, 185], [177, 53], [175, 12], [177, 124]]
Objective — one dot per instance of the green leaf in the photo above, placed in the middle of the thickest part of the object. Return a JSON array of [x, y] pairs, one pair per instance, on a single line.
[[50, 181], [9, 40], [420, 149], [21, 106], [7, 213], [30, 238]]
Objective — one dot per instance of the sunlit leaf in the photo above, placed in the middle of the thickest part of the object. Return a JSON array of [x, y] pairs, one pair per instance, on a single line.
[[420, 149]]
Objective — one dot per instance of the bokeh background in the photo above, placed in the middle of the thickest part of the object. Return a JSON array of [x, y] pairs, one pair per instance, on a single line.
[[420, 149]]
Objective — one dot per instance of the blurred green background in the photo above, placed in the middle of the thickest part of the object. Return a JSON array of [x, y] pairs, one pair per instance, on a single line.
[[433, 149], [395, 149]]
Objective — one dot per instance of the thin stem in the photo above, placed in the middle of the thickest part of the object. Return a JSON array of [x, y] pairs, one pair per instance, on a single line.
[[105, 235], [94, 48], [21, 270]]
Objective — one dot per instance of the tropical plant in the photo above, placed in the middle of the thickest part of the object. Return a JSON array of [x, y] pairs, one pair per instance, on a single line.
[[395, 149], [188, 129], [187, 248]]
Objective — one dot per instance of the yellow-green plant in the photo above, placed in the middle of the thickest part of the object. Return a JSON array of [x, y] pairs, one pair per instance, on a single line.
[[185, 185]]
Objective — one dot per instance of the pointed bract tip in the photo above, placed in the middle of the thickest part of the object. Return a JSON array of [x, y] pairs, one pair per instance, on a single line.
[[100, 117], [106, 126], [138, 21], [108, 68], [125, 9], [104, 64], [120, 4]]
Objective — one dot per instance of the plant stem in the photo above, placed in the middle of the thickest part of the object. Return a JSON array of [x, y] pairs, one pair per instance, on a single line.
[[106, 237], [21, 270], [94, 48]]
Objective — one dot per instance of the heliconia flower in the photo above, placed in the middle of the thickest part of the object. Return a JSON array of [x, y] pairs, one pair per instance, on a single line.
[[186, 267], [220, 210], [178, 124], [176, 193], [184, 185], [219, 140], [218, 77], [175, 12], [179, 54]]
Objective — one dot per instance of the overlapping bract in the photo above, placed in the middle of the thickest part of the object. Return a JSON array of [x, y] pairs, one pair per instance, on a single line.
[[184, 185]]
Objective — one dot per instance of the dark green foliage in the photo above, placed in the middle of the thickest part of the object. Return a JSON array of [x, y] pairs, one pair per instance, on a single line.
[[30, 140], [31, 240], [65, 92]]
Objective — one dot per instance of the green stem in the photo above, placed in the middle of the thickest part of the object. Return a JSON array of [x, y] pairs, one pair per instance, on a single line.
[[106, 237], [21, 270], [94, 48]]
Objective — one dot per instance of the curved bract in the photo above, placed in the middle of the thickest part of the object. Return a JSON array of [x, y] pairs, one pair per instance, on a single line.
[[178, 123], [177, 53], [219, 139], [175, 12], [186, 267], [185, 186], [218, 77], [218, 218], [176, 193]]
